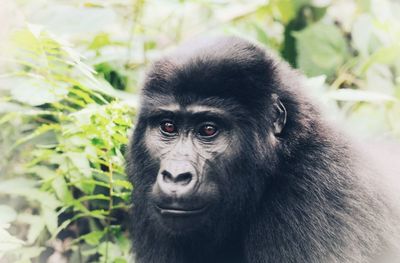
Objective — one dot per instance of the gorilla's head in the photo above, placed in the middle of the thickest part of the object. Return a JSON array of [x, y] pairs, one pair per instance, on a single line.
[[207, 136]]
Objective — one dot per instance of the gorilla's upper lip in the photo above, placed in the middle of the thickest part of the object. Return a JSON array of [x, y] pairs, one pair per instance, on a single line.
[[180, 211]]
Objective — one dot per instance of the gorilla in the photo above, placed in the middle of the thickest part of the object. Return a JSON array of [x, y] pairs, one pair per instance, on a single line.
[[232, 162]]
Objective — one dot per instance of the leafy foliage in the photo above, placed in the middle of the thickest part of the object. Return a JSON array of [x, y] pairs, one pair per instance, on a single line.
[[69, 72], [74, 175]]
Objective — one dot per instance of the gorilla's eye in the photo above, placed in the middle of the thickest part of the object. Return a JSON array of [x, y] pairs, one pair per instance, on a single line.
[[168, 127], [208, 130]]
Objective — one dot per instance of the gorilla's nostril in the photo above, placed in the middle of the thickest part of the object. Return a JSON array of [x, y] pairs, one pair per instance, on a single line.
[[167, 176], [182, 178]]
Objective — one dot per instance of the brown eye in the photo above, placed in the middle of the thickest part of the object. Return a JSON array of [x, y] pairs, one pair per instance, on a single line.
[[168, 127], [208, 130]]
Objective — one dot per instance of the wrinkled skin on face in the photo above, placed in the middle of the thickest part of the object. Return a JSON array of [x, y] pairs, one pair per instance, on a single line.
[[199, 147], [185, 140]]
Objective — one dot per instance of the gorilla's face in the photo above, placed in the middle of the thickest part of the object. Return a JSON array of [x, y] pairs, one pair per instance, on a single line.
[[189, 143], [204, 156], [207, 124]]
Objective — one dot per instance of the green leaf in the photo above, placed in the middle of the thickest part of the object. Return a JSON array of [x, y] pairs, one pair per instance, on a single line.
[[81, 162], [39, 131], [94, 197], [123, 183], [99, 41], [93, 238], [321, 49], [50, 219], [384, 55], [37, 91], [42, 171], [61, 189], [120, 260], [286, 9]]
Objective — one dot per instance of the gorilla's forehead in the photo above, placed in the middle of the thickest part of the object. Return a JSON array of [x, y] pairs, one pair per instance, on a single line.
[[163, 103], [228, 68]]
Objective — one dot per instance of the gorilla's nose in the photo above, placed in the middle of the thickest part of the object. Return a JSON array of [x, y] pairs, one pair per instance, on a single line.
[[180, 178], [176, 178]]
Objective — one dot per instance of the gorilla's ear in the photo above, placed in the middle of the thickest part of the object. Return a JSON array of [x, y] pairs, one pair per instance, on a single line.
[[280, 114]]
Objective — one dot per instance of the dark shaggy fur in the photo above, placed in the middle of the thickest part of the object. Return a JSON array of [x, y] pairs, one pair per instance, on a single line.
[[305, 195]]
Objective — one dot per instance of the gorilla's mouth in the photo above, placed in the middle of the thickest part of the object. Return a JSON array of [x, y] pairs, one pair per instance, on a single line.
[[174, 211]]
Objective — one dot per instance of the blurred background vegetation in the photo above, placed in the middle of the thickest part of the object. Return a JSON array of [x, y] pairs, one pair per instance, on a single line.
[[70, 72]]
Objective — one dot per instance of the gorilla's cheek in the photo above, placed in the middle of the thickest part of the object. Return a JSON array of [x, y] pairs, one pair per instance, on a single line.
[[155, 147]]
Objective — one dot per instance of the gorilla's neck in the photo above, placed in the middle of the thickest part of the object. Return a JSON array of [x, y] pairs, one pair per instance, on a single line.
[[179, 249], [318, 204]]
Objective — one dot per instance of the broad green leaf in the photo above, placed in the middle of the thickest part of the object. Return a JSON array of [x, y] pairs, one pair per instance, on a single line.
[[42, 171], [61, 189], [81, 162], [93, 238], [321, 49], [50, 218]]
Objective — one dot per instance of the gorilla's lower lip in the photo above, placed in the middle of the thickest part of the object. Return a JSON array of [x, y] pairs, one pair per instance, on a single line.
[[180, 212]]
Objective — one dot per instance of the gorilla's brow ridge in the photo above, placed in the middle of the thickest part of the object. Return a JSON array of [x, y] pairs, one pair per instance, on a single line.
[[205, 109], [174, 109]]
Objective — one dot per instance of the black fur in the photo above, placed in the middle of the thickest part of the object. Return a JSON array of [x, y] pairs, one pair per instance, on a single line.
[[303, 195]]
